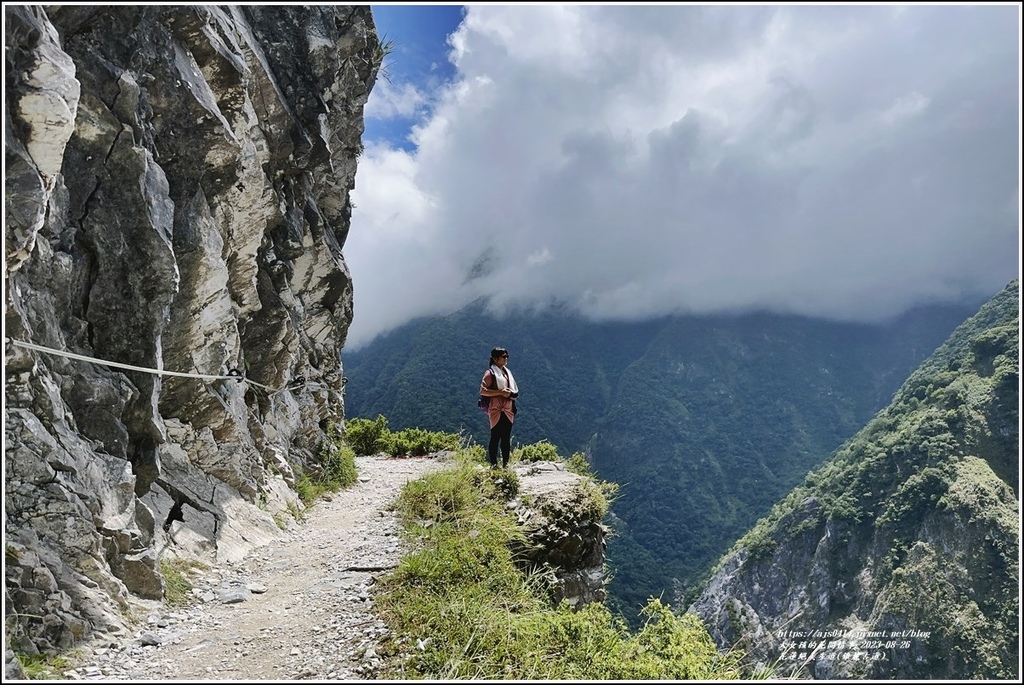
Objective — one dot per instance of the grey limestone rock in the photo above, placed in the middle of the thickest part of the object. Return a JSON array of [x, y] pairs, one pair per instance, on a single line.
[[563, 532], [177, 199]]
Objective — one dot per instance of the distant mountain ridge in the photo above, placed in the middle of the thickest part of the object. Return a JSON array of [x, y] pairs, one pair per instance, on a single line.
[[706, 421], [903, 549]]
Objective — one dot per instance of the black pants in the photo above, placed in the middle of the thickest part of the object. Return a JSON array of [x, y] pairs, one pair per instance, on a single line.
[[501, 437]]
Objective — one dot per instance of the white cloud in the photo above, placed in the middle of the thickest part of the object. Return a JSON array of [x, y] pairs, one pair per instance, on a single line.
[[541, 256], [842, 161], [390, 101], [905, 107]]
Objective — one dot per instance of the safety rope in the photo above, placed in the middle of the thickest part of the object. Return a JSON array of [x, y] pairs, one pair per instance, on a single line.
[[233, 375]]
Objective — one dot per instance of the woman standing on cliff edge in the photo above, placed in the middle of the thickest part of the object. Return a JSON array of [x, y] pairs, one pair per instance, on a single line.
[[499, 384]]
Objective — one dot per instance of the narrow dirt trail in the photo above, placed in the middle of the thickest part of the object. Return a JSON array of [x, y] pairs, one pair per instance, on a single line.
[[299, 609]]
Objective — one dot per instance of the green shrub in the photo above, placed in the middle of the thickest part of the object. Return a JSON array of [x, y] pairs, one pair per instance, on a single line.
[[538, 451], [578, 464], [338, 460], [373, 437], [336, 469], [416, 442], [474, 454], [367, 437], [306, 489]]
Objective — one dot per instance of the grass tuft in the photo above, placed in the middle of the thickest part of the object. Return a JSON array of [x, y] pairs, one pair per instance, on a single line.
[[336, 470], [177, 585]]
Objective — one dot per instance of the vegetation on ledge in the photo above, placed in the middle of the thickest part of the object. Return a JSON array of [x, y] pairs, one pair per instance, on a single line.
[[461, 607]]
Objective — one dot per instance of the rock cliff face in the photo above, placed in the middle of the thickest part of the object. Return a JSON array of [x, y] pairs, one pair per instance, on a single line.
[[562, 532], [900, 557], [177, 199]]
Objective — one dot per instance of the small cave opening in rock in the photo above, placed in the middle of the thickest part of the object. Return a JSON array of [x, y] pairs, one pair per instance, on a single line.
[[175, 514], [144, 466]]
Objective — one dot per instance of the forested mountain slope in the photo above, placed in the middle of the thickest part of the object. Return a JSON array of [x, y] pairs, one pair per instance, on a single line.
[[706, 421], [907, 538]]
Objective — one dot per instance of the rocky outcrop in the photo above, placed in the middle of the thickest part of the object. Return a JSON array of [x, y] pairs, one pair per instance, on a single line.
[[899, 558], [177, 199], [560, 516]]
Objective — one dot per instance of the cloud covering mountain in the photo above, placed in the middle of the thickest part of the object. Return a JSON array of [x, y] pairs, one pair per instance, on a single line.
[[630, 161]]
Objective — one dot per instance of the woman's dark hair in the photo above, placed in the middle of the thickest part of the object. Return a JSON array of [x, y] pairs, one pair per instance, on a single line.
[[498, 352]]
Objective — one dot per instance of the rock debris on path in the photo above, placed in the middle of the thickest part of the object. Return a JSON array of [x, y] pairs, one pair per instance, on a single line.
[[299, 609]]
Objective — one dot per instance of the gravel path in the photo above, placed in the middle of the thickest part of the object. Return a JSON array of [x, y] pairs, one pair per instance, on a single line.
[[300, 609]]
